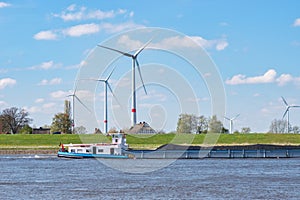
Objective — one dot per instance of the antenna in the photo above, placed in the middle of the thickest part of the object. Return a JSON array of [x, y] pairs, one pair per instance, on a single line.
[[134, 62]]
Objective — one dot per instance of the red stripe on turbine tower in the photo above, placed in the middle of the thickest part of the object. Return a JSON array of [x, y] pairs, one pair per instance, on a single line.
[[133, 110]]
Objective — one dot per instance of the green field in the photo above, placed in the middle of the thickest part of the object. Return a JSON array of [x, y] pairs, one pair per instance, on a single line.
[[145, 141]]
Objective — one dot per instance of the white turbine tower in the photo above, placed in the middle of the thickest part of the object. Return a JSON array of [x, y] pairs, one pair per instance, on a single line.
[[287, 112], [73, 95], [231, 123], [134, 62], [106, 85]]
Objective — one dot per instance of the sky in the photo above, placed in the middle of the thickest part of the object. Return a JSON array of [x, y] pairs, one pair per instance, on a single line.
[[255, 46]]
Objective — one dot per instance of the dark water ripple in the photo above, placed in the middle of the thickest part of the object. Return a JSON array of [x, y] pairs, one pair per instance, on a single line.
[[38, 177]]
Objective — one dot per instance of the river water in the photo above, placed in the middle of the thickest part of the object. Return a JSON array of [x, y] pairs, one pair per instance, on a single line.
[[49, 177]]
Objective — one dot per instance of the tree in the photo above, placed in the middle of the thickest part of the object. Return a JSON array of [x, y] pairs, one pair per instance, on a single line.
[[202, 125], [214, 125], [296, 129], [61, 122], [187, 123], [14, 119], [80, 130], [277, 126], [246, 130], [26, 130]]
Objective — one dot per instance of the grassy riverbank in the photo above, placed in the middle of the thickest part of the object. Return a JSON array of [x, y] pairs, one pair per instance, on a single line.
[[51, 142]]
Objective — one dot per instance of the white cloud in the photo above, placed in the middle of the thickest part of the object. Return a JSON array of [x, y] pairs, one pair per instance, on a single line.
[[45, 35], [39, 100], [114, 28], [33, 109], [71, 7], [223, 24], [218, 44], [268, 77], [131, 14], [82, 29], [153, 94], [85, 95], [49, 105], [54, 81], [177, 42], [5, 82], [192, 99], [284, 79], [297, 22], [48, 108], [46, 66], [85, 29], [3, 104], [76, 13], [59, 94], [4, 5]]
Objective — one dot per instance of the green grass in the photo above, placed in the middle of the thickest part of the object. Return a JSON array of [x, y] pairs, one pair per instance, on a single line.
[[47, 140], [146, 141]]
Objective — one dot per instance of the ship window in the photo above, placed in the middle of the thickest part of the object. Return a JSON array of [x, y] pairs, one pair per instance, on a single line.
[[116, 140], [87, 150], [79, 150], [73, 150], [100, 150]]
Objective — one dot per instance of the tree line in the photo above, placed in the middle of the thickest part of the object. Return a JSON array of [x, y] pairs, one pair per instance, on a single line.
[[16, 120], [189, 123]]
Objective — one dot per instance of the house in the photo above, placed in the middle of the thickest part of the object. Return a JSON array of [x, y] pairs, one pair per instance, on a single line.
[[141, 128], [41, 130]]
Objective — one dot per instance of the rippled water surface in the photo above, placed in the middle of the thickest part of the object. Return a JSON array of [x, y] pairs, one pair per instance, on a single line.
[[49, 177]]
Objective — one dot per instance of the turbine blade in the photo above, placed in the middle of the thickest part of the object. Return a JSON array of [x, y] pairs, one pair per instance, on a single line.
[[284, 101], [140, 73], [286, 111], [116, 50], [235, 116], [113, 93], [110, 73], [142, 48], [227, 118], [295, 106], [82, 103], [92, 79]]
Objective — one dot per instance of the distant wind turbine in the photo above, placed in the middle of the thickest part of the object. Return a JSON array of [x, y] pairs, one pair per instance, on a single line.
[[106, 85], [73, 95], [287, 112], [134, 62], [231, 123]]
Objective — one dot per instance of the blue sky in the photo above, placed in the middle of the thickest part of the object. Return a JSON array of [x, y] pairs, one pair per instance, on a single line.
[[254, 44]]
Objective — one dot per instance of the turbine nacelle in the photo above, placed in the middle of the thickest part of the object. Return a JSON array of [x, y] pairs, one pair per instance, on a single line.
[[107, 85], [231, 122], [134, 62]]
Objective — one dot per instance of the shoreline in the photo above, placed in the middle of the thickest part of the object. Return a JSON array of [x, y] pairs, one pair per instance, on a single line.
[[53, 151]]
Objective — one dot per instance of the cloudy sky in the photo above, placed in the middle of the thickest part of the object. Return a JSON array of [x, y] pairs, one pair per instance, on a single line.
[[254, 44]]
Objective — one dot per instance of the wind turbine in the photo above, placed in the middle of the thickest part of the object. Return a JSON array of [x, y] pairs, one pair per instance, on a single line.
[[73, 95], [287, 112], [231, 122], [106, 85], [134, 62]]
